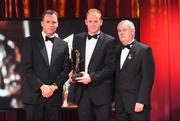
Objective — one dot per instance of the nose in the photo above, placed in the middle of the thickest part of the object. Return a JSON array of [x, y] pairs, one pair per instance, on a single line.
[[51, 24], [92, 23]]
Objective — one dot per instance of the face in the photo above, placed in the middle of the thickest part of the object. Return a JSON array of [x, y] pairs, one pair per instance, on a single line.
[[49, 24], [125, 34], [93, 22]]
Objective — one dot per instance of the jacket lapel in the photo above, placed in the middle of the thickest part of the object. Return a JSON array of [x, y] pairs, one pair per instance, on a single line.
[[97, 47], [43, 51], [83, 47], [83, 51], [54, 51], [57, 48], [118, 50], [130, 56]]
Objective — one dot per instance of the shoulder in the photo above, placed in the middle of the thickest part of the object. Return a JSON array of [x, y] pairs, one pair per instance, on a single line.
[[33, 37], [61, 41], [107, 38], [142, 46], [28, 39], [80, 35]]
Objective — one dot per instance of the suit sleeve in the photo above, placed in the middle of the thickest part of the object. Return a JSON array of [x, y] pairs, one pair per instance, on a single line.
[[27, 61], [64, 75], [148, 69]]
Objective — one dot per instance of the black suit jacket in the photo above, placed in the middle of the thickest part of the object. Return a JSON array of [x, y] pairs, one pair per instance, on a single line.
[[37, 70], [100, 69], [135, 79]]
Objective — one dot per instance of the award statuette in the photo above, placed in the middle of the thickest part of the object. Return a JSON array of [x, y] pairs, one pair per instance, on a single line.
[[76, 62]]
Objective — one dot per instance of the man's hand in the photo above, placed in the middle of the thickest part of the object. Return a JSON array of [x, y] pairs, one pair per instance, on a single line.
[[70, 80], [54, 87], [46, 91], [139, 107], [85, 79]]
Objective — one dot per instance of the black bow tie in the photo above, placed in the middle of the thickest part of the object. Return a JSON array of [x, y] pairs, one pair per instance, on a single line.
[[50, 39], [128, 46], [93, 36]]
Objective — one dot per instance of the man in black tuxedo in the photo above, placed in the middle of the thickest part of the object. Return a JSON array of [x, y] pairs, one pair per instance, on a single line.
[[97, 63], [134, 76], [46, 66]]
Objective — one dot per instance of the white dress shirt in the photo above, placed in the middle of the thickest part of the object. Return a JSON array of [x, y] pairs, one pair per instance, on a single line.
[[49, 46], [124, 53], [90, 45]]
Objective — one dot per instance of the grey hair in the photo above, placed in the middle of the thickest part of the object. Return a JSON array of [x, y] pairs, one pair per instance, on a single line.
[[128, 23]]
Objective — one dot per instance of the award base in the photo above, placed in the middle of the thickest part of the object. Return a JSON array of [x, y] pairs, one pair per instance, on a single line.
[[75, 76]]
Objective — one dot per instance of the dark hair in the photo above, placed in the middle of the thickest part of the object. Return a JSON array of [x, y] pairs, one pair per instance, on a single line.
[[51, 12]]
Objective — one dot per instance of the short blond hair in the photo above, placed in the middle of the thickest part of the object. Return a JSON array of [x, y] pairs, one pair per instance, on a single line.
[[93, 10]]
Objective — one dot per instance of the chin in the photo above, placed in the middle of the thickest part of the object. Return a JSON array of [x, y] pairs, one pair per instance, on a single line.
[[51, 33], [93, 31], [123, 43]]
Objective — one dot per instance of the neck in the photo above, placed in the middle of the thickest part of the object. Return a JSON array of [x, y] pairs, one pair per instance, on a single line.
[[48, 35], [90, 33]]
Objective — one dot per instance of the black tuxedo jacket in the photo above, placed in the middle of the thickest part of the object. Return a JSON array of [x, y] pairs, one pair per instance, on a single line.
[[100, 69], [135, 79], [37, 70]]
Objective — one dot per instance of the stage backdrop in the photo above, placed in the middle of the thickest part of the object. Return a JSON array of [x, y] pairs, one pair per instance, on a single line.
[[12, 34], [160, 28]]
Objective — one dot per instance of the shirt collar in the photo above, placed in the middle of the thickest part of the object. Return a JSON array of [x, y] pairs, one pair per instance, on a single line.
[[44, 35], [131, 41]]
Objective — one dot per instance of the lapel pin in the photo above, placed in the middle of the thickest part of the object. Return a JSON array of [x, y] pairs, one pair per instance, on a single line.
[[130, 56]]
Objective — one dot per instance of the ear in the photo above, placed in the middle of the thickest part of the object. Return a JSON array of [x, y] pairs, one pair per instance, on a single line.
[[42, 23], [133, 32], [86, 22], [101, 22]]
